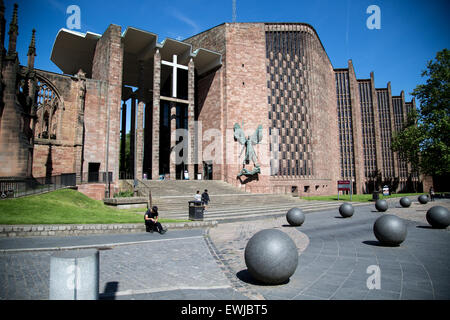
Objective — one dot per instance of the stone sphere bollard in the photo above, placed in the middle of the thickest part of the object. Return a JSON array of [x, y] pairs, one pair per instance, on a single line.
[[405, 202], [438, 217], [381, 205], [423, 199], [295, 217], [271, 256], [390, 230], [346, 210], [74, 275]]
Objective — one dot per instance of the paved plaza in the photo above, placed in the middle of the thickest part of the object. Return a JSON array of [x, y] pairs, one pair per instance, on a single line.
[[208, 264]]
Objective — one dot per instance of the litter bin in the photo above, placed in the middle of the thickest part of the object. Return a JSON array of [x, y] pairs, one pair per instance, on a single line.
[[196, 210], [375, 195]]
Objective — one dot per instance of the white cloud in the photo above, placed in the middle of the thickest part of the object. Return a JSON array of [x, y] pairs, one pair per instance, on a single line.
[[178, 15]]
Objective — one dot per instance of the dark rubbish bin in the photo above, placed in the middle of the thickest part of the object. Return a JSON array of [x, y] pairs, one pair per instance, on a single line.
[[196, 210]]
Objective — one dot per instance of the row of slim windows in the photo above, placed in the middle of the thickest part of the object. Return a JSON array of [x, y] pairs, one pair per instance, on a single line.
[[284, 45], [288, 44]]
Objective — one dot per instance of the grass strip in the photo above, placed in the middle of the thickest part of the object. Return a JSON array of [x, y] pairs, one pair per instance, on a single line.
[[65, 207]]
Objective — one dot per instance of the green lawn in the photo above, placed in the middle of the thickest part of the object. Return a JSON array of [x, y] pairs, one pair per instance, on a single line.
[[358, 197], [65, 207]]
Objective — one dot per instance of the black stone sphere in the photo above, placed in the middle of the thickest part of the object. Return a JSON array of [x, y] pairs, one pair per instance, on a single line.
[[405, 202], [346, 210], [438, 217], [390, 230], [381, 205], [271, 256], [295, 217], [423, 199]]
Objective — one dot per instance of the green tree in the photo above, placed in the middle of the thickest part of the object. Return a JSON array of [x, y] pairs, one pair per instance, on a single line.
[[425, 140]]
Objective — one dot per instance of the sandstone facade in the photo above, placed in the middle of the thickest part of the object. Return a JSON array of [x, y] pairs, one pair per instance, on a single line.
[[320, 124]]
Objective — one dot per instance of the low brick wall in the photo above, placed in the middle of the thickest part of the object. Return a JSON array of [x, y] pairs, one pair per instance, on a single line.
[[127, 203], [95, 191], [85, 229]]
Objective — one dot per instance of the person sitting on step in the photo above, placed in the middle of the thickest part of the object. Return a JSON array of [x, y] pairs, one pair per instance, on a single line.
[[151, 221], [198, 196]]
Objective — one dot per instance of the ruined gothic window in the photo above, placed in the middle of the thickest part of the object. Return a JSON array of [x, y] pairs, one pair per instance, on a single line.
[[48, 111]]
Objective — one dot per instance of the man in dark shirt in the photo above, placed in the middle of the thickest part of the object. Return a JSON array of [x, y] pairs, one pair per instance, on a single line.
[[205, 198], [151, 221]]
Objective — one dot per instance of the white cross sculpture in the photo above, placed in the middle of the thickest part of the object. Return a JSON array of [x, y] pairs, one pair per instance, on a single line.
[[174, 66]]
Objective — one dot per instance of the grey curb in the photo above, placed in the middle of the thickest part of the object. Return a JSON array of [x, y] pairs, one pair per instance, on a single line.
[[86, 229]]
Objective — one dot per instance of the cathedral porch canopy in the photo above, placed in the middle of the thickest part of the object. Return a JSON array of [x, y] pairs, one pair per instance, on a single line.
[[73, 51]]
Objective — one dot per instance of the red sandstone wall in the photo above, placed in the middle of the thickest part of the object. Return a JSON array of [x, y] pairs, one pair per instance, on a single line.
[[246, 99], [357, 130], [325, 139], [103, 101], [95, 124], [94, 191], [210, 94], [242, 96], [15, 146], [56, 159]]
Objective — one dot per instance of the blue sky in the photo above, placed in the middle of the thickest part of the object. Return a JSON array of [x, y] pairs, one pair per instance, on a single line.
[[411, 31]]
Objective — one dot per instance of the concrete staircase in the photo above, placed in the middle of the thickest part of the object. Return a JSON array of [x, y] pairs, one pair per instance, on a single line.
[[174, 188], [228, 203], [235, 208]]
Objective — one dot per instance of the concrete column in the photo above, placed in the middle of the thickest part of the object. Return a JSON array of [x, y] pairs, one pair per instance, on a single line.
[[123, 137], [156, 113], [147, 139], [173, 127], [74, 275], [132, 133], [191, 120], [139, 157]]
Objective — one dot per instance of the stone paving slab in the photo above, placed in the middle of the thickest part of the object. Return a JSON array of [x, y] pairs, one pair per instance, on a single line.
[[335, 254], [229, 241], [416, 212], [93, 240], [202, 264], [180, 264]]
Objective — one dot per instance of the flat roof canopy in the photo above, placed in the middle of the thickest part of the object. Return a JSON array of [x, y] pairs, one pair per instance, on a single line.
[[73, 51]]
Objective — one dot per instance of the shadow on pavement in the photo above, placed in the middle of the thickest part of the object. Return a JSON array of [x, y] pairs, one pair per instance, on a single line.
[[375, 243], [110, 291], [246, 277], [379, 244], [425, 227]]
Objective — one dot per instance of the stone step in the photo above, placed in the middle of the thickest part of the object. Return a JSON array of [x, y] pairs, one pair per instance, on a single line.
[[231, 215], [256, 212], [257, 209], [227, 200], [185, 187]]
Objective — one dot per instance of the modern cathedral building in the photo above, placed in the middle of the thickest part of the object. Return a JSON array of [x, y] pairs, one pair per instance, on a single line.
[[319, 124]]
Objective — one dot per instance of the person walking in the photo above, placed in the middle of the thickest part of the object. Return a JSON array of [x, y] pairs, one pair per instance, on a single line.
[[151, 221], [431, 194], [205, 198]]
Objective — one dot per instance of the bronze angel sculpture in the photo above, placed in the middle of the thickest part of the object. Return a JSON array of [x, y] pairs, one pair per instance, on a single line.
[[247, 144]]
